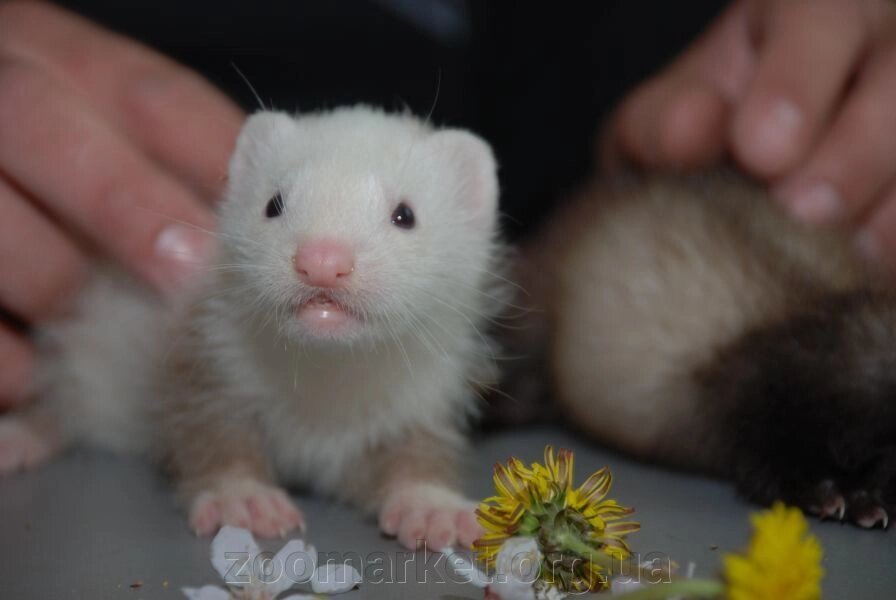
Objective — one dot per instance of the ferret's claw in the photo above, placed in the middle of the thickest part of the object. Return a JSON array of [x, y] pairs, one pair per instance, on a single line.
[[833, 504], [833, 509], [876, 516], [866, 510]]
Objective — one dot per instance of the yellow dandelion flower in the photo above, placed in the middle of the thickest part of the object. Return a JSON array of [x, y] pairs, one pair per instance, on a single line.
[[540, 501], [782, 562]]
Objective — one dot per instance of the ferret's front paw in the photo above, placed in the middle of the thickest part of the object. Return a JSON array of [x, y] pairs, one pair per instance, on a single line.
[[21, 447], [847, 499], [864, 508], [262, 508], [430, 515]]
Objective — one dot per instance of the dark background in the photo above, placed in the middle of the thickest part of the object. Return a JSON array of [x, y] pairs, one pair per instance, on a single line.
[[535, 79]]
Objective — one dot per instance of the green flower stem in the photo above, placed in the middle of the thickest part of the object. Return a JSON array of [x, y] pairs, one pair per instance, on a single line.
[[573, 543], [691, 588], [688, 588]]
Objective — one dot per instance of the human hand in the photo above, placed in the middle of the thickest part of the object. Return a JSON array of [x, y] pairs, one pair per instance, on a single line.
[[107, 147], [802, 94]]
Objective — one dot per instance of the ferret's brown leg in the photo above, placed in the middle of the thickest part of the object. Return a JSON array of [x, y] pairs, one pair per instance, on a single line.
[[413, 486], [224, 478], [802, 410]]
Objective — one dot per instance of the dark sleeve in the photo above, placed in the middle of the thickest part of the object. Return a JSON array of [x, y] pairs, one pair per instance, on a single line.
[[534, 78]]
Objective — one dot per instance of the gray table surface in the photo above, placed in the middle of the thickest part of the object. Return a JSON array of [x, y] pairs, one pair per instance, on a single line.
[[90, 525]]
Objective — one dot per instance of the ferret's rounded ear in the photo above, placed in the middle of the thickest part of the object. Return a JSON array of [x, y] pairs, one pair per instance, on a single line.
[[257, 144], [474, 172]]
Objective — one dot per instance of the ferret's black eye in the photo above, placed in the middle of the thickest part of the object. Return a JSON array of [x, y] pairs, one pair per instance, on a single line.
[[403, 216], [275, 206]]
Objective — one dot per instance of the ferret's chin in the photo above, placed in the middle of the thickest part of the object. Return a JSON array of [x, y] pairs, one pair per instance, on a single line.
[[324, 319]]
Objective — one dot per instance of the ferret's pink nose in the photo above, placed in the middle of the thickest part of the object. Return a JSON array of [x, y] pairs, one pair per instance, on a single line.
[[324, 263]]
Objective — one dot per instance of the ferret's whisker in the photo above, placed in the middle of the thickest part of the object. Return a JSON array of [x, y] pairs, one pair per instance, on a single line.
[[209, 232], [463, 315], [435, 100], [250, 86], [392, 333]]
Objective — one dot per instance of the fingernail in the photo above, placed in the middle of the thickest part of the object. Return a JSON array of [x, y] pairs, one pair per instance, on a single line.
[[816, 203], [773, 140], [182, 251]]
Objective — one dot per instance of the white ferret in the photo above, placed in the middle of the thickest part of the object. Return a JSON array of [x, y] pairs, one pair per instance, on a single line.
[[335, 342], [689, 320]]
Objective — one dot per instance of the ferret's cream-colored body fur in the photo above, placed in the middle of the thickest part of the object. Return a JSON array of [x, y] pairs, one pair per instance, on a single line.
[[690, 321], [234, 392], [647, 280]]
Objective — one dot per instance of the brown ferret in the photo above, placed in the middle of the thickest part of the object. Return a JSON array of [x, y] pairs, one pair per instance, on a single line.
[[688, 320]]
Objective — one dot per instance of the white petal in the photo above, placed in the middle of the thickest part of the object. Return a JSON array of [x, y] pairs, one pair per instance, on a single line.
[[621, 585], [519, 559], [233, 554], [296, 547], [294, 563], [334, 579], [300, 597], [208, 592], [464, 568], [552, 593], [513, 590]]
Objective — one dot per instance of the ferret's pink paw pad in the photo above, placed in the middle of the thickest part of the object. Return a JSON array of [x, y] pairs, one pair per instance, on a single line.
[[263, 509], [431, 517], [21, 447]]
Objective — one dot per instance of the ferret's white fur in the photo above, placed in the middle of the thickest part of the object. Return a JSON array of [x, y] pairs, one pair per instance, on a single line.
[[99, 367], [321, 404]]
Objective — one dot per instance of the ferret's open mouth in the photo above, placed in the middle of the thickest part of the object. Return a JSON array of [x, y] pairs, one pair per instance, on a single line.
[[324, 313]]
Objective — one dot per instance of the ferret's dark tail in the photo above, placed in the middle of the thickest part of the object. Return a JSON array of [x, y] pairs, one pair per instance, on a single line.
[[806, 409]]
